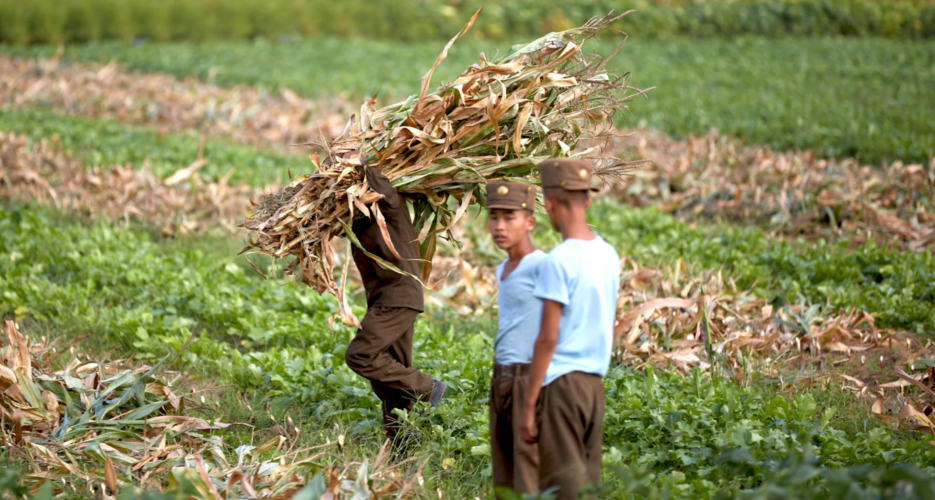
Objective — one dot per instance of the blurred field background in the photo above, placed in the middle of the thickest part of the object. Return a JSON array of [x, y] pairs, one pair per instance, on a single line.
[[793, 189], [82, 21]]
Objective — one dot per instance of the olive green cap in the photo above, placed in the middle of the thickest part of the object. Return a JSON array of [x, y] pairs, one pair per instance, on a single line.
[[567, 173], [511, 196]]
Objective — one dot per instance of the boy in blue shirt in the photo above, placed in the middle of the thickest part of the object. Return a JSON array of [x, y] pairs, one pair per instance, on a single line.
[[578, 283], [510, 220]]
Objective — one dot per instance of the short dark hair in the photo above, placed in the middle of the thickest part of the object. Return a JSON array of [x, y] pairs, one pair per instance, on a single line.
[[567, 198]]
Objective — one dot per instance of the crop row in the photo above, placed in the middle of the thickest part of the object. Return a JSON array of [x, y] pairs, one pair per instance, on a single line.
[[863, 98], [79, 21]]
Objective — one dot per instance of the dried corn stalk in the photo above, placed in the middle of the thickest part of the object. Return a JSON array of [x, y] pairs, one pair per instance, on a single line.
[[44, 171], [104, 427], [85, 420], [166, 103], [795, 194], [498, 119]]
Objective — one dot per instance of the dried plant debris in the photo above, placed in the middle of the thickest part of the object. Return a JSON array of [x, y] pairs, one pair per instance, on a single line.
[[795, 194], [106, 426], [245, 114], [677, 318], [498, 119], [914, 413], [182, 203]]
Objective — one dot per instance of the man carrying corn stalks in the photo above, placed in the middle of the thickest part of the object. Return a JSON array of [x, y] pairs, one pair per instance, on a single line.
[[498, 120], [381, 351]]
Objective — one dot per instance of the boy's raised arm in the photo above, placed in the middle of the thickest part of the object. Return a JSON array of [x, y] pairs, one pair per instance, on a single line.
[[541, 357]]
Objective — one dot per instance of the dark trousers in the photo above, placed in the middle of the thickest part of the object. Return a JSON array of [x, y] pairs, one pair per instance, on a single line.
[[382, 353], [570, 417], [515, 462]]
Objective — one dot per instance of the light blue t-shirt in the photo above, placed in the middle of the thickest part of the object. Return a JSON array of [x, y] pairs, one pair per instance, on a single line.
[[520, 312], [584, 277]]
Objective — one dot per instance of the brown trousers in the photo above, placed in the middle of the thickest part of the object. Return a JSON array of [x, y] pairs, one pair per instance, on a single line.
[[515, 462], [570, 417], [382, 353]]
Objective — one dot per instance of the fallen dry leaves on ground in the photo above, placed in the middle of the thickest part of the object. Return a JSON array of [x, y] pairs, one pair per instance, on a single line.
[[791, 193], [181, 203], [675, 317], [245, 114], [94, 428], [915, 412]]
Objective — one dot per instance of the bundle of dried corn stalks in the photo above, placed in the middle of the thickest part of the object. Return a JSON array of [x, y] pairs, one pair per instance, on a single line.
[[498, 119], [107, 426]]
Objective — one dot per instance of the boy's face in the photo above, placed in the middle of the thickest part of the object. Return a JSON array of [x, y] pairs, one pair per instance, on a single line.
[[509, 227]]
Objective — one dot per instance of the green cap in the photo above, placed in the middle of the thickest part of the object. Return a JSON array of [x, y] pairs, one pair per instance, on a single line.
[[511, 196], [567, 174]]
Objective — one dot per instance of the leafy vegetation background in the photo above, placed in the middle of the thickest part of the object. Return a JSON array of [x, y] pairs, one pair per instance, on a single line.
[[57, 21], [840, 77]]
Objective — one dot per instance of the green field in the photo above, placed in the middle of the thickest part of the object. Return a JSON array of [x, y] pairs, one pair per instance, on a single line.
[[694, 437], [842, 97], [767, 425]]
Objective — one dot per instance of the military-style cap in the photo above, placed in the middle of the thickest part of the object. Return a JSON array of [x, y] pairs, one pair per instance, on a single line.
[[567, 173], [511, 196]]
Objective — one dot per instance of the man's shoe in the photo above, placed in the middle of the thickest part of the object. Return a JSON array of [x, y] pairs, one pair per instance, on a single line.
[[438, 392]]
